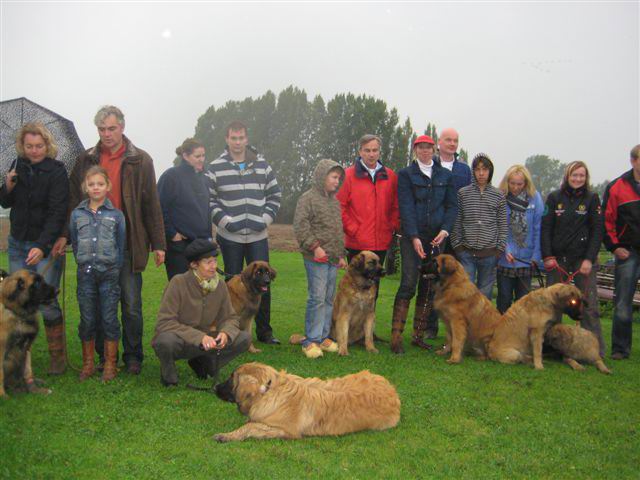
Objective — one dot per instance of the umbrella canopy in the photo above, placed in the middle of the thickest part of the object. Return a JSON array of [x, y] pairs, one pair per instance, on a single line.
[[15, 113]]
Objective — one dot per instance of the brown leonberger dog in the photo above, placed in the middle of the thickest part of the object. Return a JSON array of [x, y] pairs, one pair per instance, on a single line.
[[21, 293], [576, 344], [468, 315], [354, 309], [520, 335], [281, 405], [246, 289]]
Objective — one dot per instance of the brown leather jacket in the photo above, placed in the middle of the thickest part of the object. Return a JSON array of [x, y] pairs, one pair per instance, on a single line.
[[141, 206]]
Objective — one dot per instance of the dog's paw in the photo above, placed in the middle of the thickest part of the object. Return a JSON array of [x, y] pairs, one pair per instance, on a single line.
[[539, 367], [453, 361], [373, 350], [343, 353], [221, 438], [253, 349]]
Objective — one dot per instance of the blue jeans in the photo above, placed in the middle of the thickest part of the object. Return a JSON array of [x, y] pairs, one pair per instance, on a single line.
[[481, 271], [234, 255], [511, 290], [98, 295], [321, 287], [18, 252], [626, 278]]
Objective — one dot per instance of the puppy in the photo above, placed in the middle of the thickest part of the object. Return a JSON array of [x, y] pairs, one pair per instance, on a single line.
[[21, 293], [520, 335], [246, 289], [281, 405], [576, 344]]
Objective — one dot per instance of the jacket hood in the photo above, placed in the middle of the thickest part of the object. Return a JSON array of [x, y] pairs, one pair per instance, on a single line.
[[322, 170]]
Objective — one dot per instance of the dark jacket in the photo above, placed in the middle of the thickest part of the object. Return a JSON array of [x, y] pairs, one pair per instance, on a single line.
[[38, 202], [461, 172], [369, 208], [622, 213], [98, 238], [571, 225], [427, 205], [317, 221], [184, 198], [141, 207]]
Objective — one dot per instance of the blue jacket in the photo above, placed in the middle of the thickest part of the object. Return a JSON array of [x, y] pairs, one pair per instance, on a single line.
[[184, 197], [99, 238], [461, 172], [531, 251], [427, 205]]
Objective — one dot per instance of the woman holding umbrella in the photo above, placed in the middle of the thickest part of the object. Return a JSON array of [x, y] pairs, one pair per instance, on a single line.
[[37, 191]]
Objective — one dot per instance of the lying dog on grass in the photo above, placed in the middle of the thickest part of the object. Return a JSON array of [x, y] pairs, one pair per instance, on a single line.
[[281, 405], [576, 344]]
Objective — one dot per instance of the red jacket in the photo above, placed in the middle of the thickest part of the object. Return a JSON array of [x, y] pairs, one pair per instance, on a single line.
[[622, 213], [369, 209]]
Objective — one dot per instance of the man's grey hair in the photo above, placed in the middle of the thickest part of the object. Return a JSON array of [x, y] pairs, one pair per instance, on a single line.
[[635, 152], [368, 138], [107, 110]]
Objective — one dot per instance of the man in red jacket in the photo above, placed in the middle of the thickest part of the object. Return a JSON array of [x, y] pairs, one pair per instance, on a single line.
[[622, 237], [369, 201]]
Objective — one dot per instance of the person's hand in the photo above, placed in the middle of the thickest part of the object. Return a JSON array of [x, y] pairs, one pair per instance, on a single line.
[[178, 237], [221, 340], [208, 343], [550, 263], [319, 253], [59, 248], [34, 256], [621, 253], [159, 257], [10, 180], [510, 258], [439, 238], [417, 246], [585, 267], [342, 263]]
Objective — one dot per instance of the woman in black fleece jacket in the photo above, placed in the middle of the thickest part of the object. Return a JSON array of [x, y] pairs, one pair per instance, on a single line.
[[570, 239]]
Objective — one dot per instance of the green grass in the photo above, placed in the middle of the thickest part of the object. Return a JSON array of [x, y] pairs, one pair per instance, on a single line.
[[474, 420]]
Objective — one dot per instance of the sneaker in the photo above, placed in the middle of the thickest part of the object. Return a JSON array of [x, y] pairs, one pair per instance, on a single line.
[[329, 345], [312, 350]]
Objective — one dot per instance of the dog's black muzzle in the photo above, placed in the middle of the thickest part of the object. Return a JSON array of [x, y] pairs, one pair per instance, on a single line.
[[575, 308], [224, 391], [429, 269], [375, 273]]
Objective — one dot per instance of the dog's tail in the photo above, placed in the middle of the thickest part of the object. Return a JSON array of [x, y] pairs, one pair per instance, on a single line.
[[296, 339]]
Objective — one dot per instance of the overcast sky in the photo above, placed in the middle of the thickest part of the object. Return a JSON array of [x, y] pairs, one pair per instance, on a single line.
[[515, 79]]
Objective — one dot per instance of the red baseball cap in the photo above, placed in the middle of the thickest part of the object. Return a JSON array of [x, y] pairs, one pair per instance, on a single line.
[[423, 139]]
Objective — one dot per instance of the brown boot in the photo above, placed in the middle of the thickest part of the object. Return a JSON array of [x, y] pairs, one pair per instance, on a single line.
[[55, 339], [420, 321], [110, 357], [88, 350], [400, 310]]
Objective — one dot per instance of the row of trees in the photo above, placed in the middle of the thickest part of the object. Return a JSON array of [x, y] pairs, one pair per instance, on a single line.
[[294, 132]]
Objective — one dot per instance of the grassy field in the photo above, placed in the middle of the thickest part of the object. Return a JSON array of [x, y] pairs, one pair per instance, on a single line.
[[474, 420]]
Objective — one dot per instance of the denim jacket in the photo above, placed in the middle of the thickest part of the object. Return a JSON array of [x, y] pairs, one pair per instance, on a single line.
[[98, 238]]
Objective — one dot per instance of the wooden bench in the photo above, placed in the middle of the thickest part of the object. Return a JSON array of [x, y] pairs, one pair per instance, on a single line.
[[605, 278]]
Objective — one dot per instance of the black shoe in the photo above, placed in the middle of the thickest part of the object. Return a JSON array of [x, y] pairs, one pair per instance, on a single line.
[[167, 384], [134, 368], [199, 367], [270, 340], [430, 335], [619, 356]]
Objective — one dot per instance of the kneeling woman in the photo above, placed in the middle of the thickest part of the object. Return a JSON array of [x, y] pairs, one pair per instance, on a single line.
[[196, 318]]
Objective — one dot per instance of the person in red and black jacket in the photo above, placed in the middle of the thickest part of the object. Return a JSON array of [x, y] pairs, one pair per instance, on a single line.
[[369, 202], [622, 237], [570, 239]]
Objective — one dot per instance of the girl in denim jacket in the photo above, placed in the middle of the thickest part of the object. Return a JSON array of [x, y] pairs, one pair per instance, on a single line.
[[97, 232]]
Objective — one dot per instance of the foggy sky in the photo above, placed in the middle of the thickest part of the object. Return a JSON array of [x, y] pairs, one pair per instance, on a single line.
[[515, 79]]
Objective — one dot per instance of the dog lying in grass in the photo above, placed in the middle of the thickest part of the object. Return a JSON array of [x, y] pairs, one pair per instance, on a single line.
[[576, 344], [281, 405]]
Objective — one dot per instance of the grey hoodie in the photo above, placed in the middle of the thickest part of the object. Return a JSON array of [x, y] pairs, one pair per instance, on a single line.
[[318, 221]]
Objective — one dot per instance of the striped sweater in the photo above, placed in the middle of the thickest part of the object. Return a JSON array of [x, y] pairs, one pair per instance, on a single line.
[[243, 202], [481, 223]]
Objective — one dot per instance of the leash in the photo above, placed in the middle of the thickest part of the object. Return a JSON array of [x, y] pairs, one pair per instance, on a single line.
[[227, 276], [216, 372], [536, 271]]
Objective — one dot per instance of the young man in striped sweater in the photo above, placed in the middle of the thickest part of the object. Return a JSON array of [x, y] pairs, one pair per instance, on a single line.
[[244, 199], [480, 233]]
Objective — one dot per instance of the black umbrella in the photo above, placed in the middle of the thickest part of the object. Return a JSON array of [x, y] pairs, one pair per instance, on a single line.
[[15, 113]]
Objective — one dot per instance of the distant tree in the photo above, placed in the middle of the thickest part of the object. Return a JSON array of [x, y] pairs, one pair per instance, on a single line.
[[463, 155], [600, 188], [546, 173]]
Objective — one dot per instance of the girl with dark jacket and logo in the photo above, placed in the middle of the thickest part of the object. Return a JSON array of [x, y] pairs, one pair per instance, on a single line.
[[570, 239], [37, 191]]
